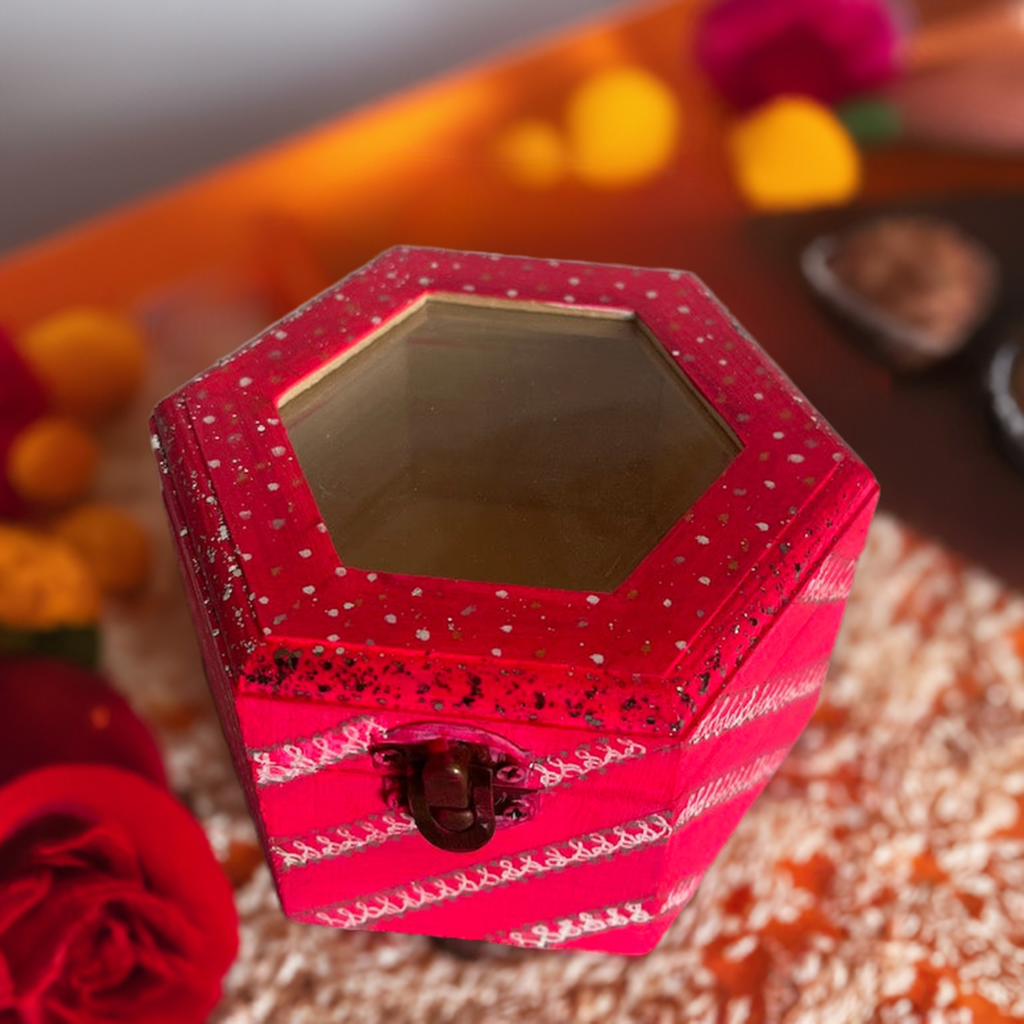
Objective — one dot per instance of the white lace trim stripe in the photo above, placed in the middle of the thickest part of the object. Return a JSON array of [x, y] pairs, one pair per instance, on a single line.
[[582, 849], [552, 934], [301, 757], [832, 583], [734, 710], [339, 840], [336, 841]]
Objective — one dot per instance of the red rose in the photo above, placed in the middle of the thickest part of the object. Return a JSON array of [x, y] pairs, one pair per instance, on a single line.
[[21, 401], [754, 50], [56, 712], [112, 906]]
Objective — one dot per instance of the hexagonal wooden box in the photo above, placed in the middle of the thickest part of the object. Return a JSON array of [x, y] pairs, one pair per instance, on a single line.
[[515, 580]]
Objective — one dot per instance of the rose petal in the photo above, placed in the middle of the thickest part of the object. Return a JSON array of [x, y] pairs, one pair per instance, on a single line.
[[55, 712], [17, 898], [149, 942], [6, 987], [128, 956], [36, 946], [102, 956], [67, 845], [178, 909]]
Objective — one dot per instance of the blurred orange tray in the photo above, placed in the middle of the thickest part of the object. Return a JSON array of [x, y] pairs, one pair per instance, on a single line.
[[419, 169]]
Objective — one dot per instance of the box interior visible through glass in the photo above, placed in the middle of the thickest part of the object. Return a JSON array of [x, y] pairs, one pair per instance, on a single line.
[[504, 443]]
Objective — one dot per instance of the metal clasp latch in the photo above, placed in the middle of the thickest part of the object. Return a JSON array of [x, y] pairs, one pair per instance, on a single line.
[[451, 797], [457, 790]]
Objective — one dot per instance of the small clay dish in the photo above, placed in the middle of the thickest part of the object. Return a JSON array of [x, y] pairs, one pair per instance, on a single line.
[[916, 288], [1005, 380]]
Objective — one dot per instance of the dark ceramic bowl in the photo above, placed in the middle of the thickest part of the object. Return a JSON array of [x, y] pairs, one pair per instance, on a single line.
[[1005, 382], [913, 281]]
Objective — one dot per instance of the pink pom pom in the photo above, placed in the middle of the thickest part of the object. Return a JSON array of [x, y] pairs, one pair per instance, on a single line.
[[753, 50]]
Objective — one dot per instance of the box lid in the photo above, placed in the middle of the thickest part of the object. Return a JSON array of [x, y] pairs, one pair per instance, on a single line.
[[764, 523]]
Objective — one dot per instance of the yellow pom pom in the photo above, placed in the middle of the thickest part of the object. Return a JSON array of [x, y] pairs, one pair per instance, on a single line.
[[90, 362], [532, 154], [110, 543], [623, 126], [793, 154], [43, 583], [52, 461]]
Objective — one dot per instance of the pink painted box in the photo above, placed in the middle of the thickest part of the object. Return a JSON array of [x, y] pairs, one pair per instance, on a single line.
[[515, 580]]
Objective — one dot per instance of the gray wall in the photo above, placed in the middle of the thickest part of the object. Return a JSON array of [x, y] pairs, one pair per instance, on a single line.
[[105, 100]]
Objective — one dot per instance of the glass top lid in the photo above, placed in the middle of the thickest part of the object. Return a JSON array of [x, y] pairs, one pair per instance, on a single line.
[[505, 443]]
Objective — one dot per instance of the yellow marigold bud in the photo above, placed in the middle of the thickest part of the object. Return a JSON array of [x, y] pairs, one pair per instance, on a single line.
[[90, 362], [43, 583], [110, 542], [531, 153], [793, 153], [623, 127], [51, 461]]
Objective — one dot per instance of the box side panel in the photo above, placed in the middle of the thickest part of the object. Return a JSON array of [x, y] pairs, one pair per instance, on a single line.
[[179, 461], [594, 851], [735, 749], [321, 797], [806, 566], [618, 821]]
